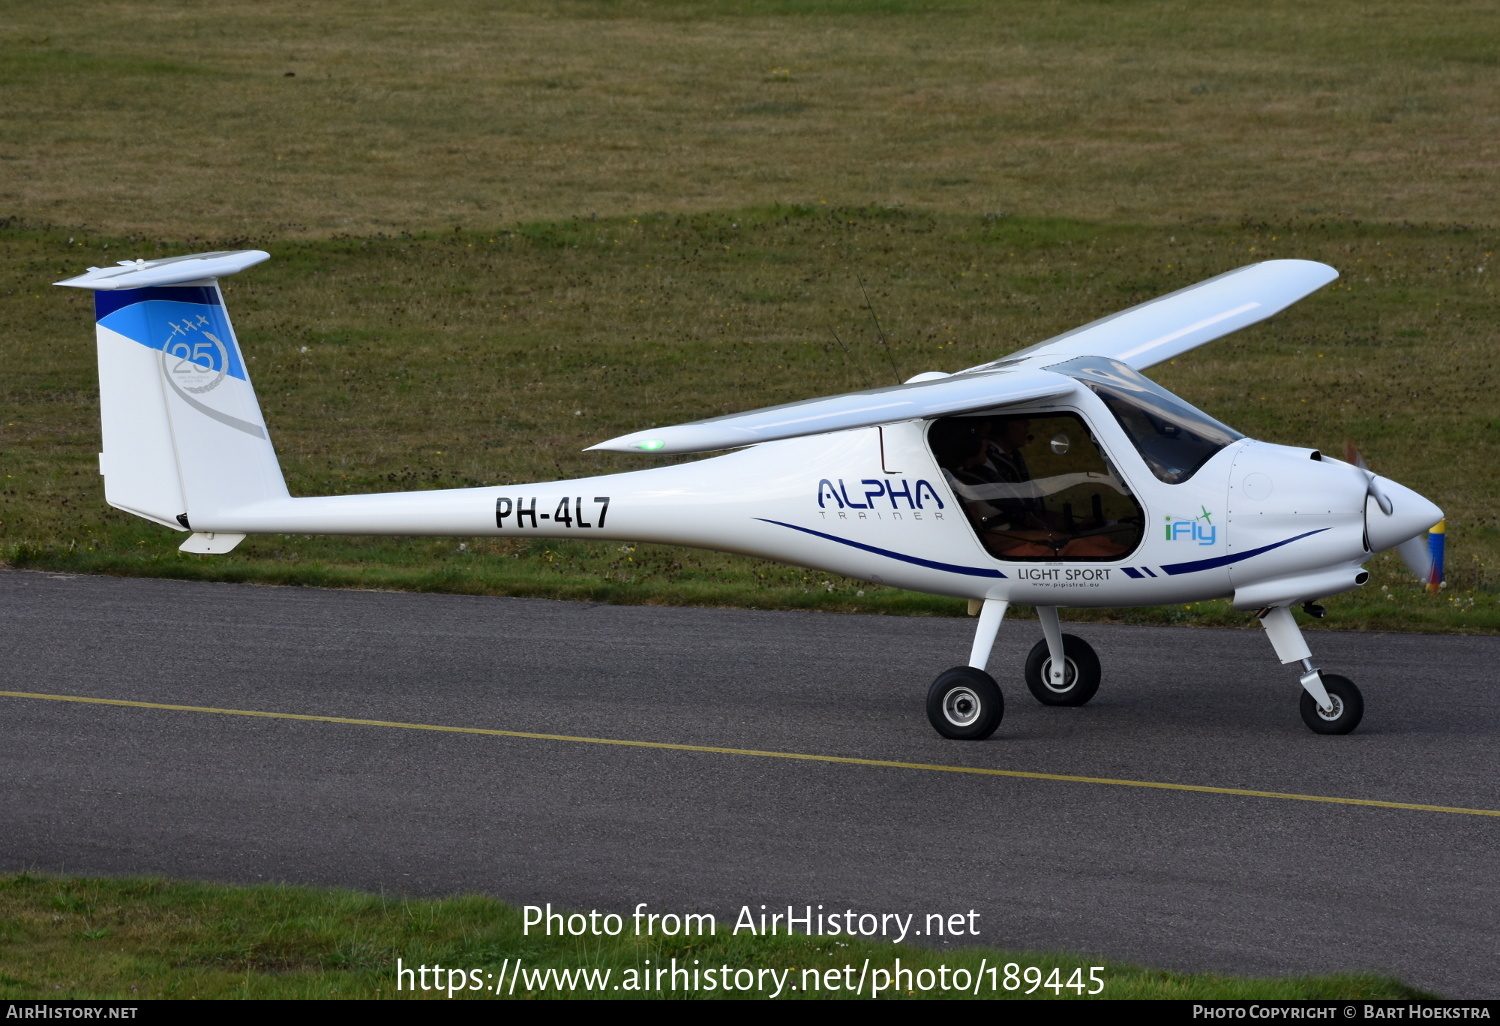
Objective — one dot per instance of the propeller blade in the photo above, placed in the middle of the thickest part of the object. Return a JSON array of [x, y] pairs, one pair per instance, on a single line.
[[1417, 556], [1351, 455], [1372, 488]]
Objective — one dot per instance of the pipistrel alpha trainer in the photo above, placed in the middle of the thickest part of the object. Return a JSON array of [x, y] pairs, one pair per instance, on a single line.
[[1056, 476]]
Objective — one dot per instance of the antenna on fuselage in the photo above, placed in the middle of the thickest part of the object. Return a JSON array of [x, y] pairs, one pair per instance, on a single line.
[[879, 331], [847, 361]]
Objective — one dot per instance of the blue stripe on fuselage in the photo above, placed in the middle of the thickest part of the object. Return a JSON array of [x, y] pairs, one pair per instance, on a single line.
[[1173, 569], [1211, 564], [931, 564]]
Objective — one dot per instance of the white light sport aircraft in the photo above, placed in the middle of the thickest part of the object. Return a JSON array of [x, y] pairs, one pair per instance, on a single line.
[[1056, 476]]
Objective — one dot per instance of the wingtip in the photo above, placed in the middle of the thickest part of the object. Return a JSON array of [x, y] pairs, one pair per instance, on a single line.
[[640, 444], [1316, 267], [614, 445]]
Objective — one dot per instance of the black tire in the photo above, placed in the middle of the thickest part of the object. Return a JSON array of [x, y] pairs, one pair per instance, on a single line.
[[965, 704], [1080, 678], [1348, 707]]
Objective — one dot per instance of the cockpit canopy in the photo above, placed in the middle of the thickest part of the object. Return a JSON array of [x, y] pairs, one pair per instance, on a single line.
[[1172, 437]]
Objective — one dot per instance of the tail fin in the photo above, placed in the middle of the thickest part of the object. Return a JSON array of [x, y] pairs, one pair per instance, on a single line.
[[183, 432]]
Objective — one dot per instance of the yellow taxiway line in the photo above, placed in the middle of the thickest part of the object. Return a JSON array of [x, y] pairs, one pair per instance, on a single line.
[[836, 759]]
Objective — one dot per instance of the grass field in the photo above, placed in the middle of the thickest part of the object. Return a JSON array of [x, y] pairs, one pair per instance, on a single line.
[[500, 235], [268, 120], [463, 359], [128, 939]]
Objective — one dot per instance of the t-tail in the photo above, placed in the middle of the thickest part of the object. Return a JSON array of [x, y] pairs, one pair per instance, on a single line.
[[183, 433]]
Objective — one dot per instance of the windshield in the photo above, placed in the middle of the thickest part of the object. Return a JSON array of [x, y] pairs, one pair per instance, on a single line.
[[1172, 437]]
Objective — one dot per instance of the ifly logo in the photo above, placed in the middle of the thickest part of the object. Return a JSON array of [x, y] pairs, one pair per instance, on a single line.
[[872, 489], [1200, 529]]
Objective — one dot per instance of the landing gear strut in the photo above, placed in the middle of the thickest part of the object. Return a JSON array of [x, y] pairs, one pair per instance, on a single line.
[[1330, 704], [965, 702]]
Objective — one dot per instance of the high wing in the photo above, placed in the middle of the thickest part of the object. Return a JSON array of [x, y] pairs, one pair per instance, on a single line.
[[1170, 325], [1139, 337], [946, 395]]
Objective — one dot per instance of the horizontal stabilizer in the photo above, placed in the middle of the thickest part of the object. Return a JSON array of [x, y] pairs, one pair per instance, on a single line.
[[942, 397], [139, 274], [1170, 325]]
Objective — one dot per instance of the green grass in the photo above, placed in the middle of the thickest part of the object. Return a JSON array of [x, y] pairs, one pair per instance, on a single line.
[[221, 119], [125, 939], [465, 358]]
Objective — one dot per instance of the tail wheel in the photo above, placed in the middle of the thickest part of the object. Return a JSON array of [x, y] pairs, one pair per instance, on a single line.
[[1080, 673], [965, 704], [1348, 707]]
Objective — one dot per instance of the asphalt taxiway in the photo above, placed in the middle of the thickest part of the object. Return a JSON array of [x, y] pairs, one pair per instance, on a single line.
[[1192, 879]]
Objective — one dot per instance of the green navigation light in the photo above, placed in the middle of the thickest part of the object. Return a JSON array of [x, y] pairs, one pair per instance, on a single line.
[[650, 446]]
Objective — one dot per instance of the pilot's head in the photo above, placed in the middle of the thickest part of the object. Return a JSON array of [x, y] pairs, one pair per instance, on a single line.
[[1011, 433], [957, 442]]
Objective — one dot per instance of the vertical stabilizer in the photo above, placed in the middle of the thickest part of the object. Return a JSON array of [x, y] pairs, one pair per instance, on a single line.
[[183, 432]]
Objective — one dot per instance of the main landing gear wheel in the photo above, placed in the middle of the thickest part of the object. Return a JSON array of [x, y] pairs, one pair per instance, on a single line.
[[1080, 674], [965, 704], [1348, 707]]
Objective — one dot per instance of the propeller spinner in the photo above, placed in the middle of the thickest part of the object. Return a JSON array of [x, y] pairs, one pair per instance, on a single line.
[[1406, 521]]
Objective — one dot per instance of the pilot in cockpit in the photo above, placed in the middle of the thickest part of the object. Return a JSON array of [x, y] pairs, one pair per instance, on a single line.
[[986, 467]]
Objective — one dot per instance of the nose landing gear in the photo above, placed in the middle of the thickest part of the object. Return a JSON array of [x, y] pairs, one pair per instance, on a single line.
[[1330, 704]]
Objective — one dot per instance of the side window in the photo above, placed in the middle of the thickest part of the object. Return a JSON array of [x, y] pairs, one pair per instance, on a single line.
[[1037, 487]]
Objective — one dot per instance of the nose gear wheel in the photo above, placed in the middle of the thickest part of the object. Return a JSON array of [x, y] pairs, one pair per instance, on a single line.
[[1348, 707]]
